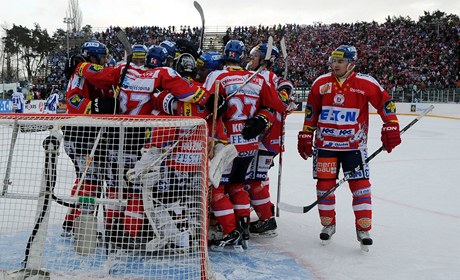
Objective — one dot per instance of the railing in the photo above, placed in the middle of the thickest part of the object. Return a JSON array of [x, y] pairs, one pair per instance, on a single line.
[[445, 95], [436, 95]]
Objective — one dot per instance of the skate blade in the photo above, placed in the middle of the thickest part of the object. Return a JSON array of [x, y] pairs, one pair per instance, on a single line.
[[229, 248], [364, 248], [267, 234], [326, 242]]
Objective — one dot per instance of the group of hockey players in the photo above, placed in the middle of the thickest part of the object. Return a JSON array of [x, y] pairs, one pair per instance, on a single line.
[[248, 105], [18, 102], [175, 78]]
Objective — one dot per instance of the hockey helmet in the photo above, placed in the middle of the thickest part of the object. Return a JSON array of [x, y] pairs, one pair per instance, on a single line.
[[234, 51], [156, 57]]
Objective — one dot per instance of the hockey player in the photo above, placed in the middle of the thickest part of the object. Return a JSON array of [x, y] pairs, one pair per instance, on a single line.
[[52, 102], [172, 50], [206, 63], [18, 101], [89, 91], [269, 144], [336, 124], [139, 98], [244, 100]]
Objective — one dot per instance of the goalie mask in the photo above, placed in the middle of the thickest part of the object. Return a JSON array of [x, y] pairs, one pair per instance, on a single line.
[[185, 65]]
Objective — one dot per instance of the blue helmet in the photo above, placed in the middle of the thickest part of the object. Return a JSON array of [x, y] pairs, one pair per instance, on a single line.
[[234, 51], [139, 51], [345, 51], [156, 57], [93, 48], [210, 60], [171, 47], [261, 50]]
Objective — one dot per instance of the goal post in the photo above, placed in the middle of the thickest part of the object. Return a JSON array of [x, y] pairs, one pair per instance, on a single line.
[[103, 196]]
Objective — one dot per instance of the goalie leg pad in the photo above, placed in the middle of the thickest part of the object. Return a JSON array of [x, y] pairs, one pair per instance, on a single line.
[[147, 164], [223, 157]]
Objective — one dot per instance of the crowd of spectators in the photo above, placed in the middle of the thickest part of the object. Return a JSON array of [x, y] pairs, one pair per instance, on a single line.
[[402, 55]]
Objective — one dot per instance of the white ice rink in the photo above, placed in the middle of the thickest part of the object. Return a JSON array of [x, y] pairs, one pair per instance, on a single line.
[[416, 222]]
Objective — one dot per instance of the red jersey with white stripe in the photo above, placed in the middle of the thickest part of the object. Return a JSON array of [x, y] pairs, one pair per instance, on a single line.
[[340, 111], [243, 104], [88, 82]]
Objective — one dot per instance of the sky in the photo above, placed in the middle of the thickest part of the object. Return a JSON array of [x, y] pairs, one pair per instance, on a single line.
[[103, 13]]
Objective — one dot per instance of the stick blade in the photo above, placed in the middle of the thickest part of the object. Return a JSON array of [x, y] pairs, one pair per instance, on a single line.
[[121, 35], [199, 9], [292, 208], [268, 55]]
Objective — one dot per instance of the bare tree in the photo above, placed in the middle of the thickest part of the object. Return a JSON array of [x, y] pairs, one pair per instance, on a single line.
[[75, 14]]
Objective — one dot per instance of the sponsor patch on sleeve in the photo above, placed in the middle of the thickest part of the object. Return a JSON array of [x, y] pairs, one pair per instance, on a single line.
[[308, 112], [76, 101], [389, 108]]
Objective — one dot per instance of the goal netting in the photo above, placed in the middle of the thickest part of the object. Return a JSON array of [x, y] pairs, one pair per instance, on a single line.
[[103, 197]]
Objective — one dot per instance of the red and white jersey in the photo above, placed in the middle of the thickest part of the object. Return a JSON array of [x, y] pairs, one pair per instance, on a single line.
[[138, 91], [270, 141], [88, 82], [243, 104], [133, 102], [340, 111]]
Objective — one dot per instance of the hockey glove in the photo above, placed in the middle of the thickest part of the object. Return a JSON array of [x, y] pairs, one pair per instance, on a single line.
[[254, 127], [164, 101], [391, 137], [221, 105], [72, 64], [104, 105], [305, 144]]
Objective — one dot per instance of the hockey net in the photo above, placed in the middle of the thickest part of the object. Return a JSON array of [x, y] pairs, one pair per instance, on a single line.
[[103, 197]]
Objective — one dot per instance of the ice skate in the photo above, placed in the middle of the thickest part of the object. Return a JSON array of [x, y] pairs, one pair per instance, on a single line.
[[67, 229], [364, 239], [231, 240], [264, 228], [326, 234], [244, 228]]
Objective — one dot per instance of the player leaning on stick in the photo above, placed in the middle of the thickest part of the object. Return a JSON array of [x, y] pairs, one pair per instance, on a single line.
[[336, 123], [269, 143]]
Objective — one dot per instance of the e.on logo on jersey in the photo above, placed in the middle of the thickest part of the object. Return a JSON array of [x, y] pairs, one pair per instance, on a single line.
[[338, 116]]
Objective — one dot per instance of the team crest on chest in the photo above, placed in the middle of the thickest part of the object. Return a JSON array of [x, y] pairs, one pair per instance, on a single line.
[[326, 88], [339, 99]]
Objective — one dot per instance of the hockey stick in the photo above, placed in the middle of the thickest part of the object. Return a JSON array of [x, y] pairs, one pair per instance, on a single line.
[[200, 10], [283, 116], [34, 249], [14, 137], [129, 57], [305, 209], [284, 52], [214, 119], [264, 64]]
